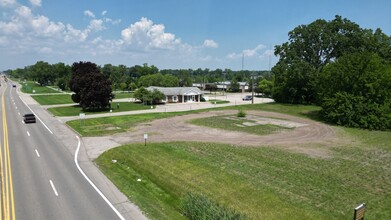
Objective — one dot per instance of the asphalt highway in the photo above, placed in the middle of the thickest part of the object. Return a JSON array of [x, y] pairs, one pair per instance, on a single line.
[[41, 180]]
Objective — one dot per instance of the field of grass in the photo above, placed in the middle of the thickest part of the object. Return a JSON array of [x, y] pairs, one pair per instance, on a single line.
[[29, 87], [218, 101], [93, 126], [53, 99], [104, 126], [76, 109], [234, 123], [123, 95], [261, 183]]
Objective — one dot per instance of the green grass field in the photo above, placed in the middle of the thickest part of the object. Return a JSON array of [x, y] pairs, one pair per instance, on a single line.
[[76, 110], [218, 101], [261, 183], [33, 88], [53, 99], [123, 95], [234, 123]]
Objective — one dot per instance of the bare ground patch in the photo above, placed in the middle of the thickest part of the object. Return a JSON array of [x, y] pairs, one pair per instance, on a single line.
[[178, 129]]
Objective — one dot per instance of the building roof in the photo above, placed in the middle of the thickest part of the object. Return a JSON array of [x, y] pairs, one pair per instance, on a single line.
[[177, 90]]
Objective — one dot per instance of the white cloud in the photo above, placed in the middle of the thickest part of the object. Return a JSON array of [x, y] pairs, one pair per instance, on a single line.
[[145, 34], [5, 3], [3, 41], [36, 3], [89, 13], [96, 25], [73, 34], [104, 13], [247, 52], [46, 50], [210, 44], [109, 20]]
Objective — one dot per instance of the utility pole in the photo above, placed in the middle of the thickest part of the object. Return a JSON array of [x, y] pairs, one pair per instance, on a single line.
[[252, 88]]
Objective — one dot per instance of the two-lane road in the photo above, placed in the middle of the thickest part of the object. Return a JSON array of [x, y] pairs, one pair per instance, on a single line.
[[45, 181]]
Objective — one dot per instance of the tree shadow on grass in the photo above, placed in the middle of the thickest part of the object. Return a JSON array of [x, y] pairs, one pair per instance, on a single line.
[[316, 116]]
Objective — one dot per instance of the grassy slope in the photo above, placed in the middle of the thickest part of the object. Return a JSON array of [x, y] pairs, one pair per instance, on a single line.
[[263, 183], [53, 99], [38, 89]]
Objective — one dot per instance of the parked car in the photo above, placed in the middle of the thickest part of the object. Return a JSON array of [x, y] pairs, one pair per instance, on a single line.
[[248, 98], [14, 85], [29, 118]]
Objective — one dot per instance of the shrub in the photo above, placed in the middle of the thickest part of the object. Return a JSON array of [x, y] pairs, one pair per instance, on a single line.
[[196, 207], [356, 111], [241, 114]]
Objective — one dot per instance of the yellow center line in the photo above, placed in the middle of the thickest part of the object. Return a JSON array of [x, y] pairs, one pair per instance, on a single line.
[[7, 191]]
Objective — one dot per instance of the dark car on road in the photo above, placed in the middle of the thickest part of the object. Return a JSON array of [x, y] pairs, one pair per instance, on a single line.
[[29, 118], [248, 98]]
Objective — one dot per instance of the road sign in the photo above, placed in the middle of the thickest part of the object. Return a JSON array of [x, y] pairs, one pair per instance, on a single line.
[[359, 212], [145, 139]]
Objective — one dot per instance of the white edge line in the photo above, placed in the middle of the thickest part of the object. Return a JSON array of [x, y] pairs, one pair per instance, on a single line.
[[53, 187], [36, 116], [36, 151], [92, 184]]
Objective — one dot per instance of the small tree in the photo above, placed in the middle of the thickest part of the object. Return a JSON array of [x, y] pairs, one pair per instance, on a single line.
[[235, 87], [141, 94], [265, 87], [157, 96]]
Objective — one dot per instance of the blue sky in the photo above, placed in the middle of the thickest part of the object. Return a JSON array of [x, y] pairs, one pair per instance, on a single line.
[[166, 33]]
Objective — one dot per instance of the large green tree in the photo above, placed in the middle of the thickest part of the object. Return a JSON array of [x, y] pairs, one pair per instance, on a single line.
[[311, 47], [92, 88], [42, 72], [356, 91]]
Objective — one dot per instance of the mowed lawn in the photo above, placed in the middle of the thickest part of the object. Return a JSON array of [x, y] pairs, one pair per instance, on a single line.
[[53, 99], [262, 183], [33, 88], [76, 109]]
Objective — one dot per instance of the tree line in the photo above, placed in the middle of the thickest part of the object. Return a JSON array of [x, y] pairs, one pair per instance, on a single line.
[[131, 78], [341, 67]]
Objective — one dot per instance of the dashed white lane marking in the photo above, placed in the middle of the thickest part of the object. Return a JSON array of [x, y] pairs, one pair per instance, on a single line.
[[28, 133], [53, 187], [36, 151]]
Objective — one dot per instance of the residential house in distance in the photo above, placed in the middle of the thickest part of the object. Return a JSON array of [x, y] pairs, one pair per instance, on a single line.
[[179, 94]]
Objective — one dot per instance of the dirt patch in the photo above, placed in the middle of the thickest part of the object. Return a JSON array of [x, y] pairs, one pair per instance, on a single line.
[[178, 129]]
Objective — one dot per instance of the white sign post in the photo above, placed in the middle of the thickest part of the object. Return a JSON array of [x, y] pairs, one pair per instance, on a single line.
[[81, 116], [145, 139]]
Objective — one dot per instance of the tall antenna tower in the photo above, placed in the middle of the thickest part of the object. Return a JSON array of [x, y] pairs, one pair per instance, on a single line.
[[242, 61], [270, 58]]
